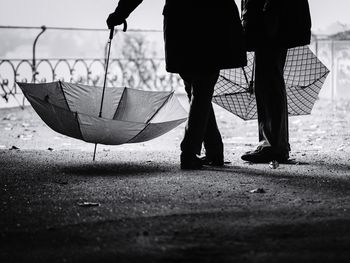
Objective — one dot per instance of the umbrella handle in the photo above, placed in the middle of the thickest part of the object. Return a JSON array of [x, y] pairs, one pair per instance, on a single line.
[[111, 32]]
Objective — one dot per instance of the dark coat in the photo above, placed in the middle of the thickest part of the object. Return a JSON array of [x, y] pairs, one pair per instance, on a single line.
[[280, 23], [200, 36]]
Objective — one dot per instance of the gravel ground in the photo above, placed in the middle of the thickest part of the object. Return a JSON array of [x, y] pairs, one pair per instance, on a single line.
[[134, 204]]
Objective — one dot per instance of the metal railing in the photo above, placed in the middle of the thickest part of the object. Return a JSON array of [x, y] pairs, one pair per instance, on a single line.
[[142, 73]]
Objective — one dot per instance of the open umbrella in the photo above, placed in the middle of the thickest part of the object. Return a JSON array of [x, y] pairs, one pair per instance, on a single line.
[[105, 115], [304, 75]]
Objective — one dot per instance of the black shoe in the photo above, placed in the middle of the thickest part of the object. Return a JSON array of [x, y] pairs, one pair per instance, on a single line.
[[212, 162], [264, 155], [190, 162]]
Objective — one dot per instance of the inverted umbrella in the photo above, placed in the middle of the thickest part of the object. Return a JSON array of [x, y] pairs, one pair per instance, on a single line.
[[105, 115], [304, 76], [128, 115]]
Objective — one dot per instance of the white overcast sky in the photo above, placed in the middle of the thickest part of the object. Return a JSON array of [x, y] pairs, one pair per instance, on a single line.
[[93, 13]]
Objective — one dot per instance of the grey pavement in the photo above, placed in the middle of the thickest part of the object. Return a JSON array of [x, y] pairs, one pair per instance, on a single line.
[[134, 204]]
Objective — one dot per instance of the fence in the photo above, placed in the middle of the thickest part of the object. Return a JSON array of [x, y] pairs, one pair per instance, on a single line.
[[141, 72], [136, 71]]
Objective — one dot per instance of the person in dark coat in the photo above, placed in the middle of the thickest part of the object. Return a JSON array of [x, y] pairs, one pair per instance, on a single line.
[[201, 37], [271, 27]]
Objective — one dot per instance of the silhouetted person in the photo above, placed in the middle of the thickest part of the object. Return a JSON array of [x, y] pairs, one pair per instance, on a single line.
[[271, 27], [201, 37]]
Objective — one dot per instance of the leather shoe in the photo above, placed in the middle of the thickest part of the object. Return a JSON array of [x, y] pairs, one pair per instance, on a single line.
[[190, 162], [264, 155], [211, 162]]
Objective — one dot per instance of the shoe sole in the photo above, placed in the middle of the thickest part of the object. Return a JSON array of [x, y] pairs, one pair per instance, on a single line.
[[190, 168], [284, 161]]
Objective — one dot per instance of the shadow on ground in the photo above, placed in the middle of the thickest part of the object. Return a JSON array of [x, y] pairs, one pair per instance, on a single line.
[[135, 205]]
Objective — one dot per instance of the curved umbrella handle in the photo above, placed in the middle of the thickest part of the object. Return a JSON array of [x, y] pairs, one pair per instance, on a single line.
[[125, 26], [111, 32]]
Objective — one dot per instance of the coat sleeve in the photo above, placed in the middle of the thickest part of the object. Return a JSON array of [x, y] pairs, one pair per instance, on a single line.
[[125, 7]]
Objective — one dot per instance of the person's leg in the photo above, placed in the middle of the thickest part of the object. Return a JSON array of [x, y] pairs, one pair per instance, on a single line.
[[272, 108], [272, 99], [188, 86], [214, 148], [202, 88]]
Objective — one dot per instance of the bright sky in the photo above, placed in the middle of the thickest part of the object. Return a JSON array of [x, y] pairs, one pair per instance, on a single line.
[[93, 13]]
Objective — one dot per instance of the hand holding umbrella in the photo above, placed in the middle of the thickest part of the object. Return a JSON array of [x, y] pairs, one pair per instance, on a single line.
[[111, 33], [124, 115]]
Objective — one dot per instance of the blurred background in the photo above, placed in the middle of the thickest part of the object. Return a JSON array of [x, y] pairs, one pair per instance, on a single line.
[[72, 45]]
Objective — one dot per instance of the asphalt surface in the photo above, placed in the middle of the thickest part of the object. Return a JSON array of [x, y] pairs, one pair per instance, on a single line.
[[134, 204]]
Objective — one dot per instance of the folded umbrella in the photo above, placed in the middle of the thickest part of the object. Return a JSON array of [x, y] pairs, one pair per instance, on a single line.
[[304, 76]]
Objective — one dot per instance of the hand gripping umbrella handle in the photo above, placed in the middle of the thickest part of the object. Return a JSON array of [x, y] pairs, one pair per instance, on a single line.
[[111, 33]]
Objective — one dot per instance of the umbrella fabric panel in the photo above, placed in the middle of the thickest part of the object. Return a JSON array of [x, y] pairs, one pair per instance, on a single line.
[[235, 80], [59, 119], [49, 92], [301, 100], [170, 111], [302, 67], [87, 100], [140, 105], [154, 130], [241, 104], [105, 131], [111, 101]]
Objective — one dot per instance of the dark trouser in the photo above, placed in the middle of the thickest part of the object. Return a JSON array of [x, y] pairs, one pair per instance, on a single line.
[[201, 125], [271, 98]]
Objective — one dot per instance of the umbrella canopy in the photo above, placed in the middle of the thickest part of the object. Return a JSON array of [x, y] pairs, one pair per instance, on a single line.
[[304, 75], [128, 115]]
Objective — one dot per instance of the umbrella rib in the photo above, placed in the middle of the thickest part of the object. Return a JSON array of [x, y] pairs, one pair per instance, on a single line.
[[305, 97], [234, 83], [138, 133], [179, 120], [64, 109], [316, 80], [251, 109], [77, 117], [64, 95], [121, 99], [313, 83], [300, 102], [167, 99], [222, 105], [75, 113], [231, 94], [152, 116]]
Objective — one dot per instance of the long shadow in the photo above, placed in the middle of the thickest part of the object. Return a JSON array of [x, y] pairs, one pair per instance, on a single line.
[[121, 169], [322, 178], [54, 163]]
